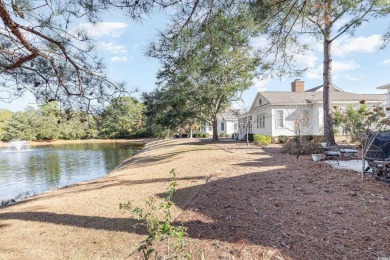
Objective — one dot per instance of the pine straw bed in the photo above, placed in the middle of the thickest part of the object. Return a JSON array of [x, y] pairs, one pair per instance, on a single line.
[[269, 205]]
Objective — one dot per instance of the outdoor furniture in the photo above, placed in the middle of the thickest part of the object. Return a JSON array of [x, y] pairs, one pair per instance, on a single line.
[[332, 153], [377, 154], [378, 159], [348, 152]]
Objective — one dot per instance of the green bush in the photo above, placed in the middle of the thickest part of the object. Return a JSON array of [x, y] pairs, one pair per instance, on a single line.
[[223, 134], [205, 135], [262, 140], [282, 139], [198, 135]]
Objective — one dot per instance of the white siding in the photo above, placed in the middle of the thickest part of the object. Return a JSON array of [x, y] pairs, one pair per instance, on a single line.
[[305, 115], [228, 125]]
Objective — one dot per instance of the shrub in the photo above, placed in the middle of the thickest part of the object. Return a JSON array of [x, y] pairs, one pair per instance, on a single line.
[[223, 135], [282, 139], [205, 135], [262, 140], [198, 135], [302, 147]]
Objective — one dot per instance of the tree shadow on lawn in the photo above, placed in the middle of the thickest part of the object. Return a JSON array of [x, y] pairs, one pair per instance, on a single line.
[[98, 223], [106, 183], [137, 162]]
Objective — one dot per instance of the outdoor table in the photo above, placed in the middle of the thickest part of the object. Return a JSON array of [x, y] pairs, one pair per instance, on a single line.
[[349, 152]]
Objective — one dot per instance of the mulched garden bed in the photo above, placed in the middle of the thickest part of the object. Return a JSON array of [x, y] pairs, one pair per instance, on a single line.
[[271, 205]]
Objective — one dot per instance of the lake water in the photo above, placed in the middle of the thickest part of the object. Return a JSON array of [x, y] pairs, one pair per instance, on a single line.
[[39, 169]]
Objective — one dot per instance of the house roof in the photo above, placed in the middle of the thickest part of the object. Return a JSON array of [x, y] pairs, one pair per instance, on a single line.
[[231, 115], [291, 98], [319, 88], [387, 86]]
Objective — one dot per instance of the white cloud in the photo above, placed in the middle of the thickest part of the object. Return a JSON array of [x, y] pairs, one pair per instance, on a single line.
[[260, 84], [307, 60], [112, 47], [386, 62], [113, 29], [350, 77], [119, 59], [338, 69], [347, 44], [341, 66]]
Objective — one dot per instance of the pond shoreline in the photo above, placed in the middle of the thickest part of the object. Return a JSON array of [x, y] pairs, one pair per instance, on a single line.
[[23, 195], [141, 141]]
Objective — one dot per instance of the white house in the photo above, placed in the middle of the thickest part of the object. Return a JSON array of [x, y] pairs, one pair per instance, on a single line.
[[387, 87], [227, 123], [276, 113]]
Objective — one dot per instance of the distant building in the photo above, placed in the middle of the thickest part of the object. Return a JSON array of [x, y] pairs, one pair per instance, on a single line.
[[227, 123], [276, 113]]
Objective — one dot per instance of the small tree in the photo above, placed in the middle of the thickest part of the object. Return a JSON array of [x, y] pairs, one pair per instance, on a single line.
[[298, 121], [360, 122]]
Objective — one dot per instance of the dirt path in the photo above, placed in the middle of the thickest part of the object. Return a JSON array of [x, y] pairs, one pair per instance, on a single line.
[[239, 202]]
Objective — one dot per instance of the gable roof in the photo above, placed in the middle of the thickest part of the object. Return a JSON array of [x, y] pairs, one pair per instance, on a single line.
[[319, 88], [295, 98], [230, 115], [387, 86]]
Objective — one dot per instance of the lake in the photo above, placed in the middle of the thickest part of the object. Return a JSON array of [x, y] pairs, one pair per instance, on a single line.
[[41, 168]]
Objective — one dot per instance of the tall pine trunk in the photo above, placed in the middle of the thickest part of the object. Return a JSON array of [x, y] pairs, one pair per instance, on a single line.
[[215, 129], [327, 77]]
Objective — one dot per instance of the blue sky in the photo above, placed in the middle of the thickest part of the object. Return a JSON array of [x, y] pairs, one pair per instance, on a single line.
[[359, 64]]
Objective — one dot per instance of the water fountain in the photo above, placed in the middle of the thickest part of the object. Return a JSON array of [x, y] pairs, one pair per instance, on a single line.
[[18, 144]]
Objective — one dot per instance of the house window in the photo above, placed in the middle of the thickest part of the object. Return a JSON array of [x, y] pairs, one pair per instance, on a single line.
[[222, 126], [235, 127], [262, 121], [279, 118], [260, 101], [306, 118]]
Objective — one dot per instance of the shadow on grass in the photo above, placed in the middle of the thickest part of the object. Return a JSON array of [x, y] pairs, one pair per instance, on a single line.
[[157, 159], [99, 223]]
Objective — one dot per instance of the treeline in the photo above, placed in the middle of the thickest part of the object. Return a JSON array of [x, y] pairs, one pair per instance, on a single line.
[[123, 118]]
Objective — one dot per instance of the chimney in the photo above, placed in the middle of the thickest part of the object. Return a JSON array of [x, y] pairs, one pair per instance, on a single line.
[[298, 86]]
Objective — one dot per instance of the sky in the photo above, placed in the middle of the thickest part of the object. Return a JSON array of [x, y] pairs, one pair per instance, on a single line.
[[359, 64]]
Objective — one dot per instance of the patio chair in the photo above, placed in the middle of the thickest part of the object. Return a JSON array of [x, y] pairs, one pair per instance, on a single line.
[[332, 153]]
